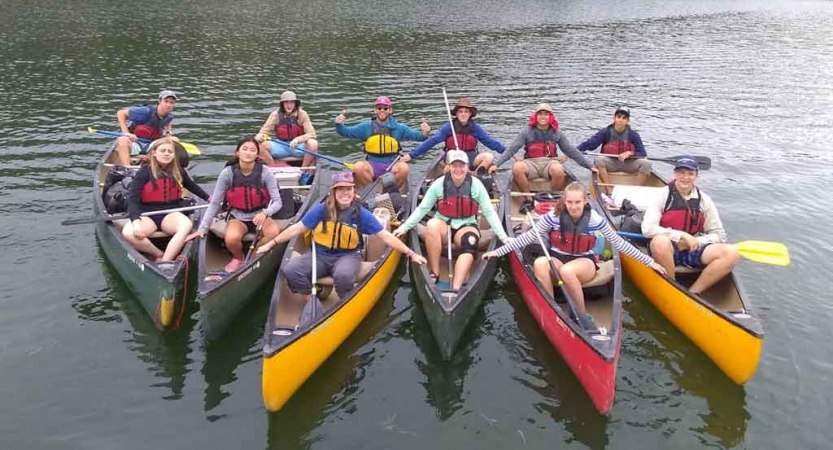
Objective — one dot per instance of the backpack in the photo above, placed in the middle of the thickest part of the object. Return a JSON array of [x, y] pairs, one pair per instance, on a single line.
[[116, 188]]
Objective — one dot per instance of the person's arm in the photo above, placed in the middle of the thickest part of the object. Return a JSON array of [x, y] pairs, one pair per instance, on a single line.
[[217, 198], [275, 202], [134, 193], [359, 131], [428, 201], [483, 137], [652, 216], [618, 243], [440, 136], [530, 237], [713, 232], [306, 123], [519, 142], [637, 143], [268, 127], [594, 141], [573, 153], [122, 116], [193, 187], [409, 134], [481, 196]]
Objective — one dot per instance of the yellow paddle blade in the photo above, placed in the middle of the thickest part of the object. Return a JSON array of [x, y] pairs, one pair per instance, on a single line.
[[765, 252], [91, 130], [191, 148]]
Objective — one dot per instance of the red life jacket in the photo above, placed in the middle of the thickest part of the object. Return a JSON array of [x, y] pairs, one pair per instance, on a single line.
[[682, 215], [617, 147], [543, 144], [572, 237], [247, 193], [162, 190], [287, 127], [465, 137], [456, 202], [153, 127]]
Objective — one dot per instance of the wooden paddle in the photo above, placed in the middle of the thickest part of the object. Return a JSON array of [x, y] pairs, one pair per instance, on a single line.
[[125, 216], [765, 252], [302, 149], [190, 148], [704, 162], [254, 243]]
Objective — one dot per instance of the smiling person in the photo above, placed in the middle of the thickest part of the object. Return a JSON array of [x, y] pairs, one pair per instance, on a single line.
[[253, 196], [150, 121], [289, 123], [570, 229], [458, 197], [685, 229], [157, 186], [382, 135], [468, 133], [627, 154], [541, 140], [338, 223]]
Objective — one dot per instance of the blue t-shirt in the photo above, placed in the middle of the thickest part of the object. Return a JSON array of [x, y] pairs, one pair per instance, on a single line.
[[140, 114], [369, 225]]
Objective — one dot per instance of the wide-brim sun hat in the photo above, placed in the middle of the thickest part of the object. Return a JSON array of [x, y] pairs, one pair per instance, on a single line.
[[341, 179], [465, 103], [289, 96]]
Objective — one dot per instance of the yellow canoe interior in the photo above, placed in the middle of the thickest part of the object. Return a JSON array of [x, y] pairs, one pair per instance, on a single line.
[[719, 321]]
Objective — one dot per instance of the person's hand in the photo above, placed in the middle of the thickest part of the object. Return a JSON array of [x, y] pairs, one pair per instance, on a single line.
[[625, 155], [492, 169], [405, 158], [197, 234], [260, 137], [341, 118], [562, 159], [656, 266], [507, 240], [259, 219], [594, 169], [138, 232], [689, 243], [425, 128], [293, 143], [489, 255], [130, 136], [419, 259], [399, 232], [266, 247]]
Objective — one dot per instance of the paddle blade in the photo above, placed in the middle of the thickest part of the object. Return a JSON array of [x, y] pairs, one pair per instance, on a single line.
[[765, 252], [91, 130], [191, 148]]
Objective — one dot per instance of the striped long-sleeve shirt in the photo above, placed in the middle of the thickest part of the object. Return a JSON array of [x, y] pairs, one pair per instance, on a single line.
[[551, 222]]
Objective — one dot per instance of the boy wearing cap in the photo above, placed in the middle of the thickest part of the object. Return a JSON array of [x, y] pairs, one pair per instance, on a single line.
[[151, 121], [381, 135], [685, 229], [541, 139], [291, 124], [622, 149], [467, 134]]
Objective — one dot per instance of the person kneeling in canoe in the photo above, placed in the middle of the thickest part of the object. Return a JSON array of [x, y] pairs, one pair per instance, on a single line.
[[157, 186], [458, 197], [291, 124], [468, 134], [622, 150], [151, 121], [685, 229], [570, 229], [252, 195], [541, 140], [338, 225], [381, 135]]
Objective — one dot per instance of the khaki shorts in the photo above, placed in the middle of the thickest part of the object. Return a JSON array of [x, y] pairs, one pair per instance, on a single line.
[[630, 165], [539, 167]]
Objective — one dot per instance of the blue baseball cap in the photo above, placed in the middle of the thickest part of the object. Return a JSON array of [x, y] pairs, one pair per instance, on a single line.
[[687, 162], [168, 93]]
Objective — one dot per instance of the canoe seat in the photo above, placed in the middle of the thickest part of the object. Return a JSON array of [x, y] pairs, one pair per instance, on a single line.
[[328, 281], [603, 276], [486, 237], [640, 196], [218, 227], [120, 223]]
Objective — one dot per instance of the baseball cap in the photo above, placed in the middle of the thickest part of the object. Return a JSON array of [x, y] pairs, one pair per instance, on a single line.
[[622, 110], [687, 162], [168, 93], [456, 155], [382, 100], [342, 179]]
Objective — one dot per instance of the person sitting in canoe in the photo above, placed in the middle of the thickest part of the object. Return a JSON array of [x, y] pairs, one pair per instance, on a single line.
[[338, 224], [381, 135], [252, 195], [685, 229], [458, 197], [570, 229], [157, 186], [291, 124], [622, 150], [541, 139], [468, 133], [151, 121]]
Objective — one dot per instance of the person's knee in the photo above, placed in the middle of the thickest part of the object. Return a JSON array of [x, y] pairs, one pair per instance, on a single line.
[[541, 263], [127, 232], [311, 145], [401, 168], [435, 226], [484, 159], [468, 243], [519, 168], [661, 245], [556, 170], [645, 166], [184, 225], [601, 161]]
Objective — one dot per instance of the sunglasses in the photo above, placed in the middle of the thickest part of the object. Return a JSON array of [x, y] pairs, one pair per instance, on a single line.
[[382, 108]]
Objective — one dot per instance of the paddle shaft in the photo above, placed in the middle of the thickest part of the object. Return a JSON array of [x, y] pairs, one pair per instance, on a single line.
[[313, 296], [315, 154], [190, 148], [450, 262], [254, 243], [450, 120], [125, 216]]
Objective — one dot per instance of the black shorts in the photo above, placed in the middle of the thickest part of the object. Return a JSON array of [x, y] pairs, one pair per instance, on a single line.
[[532, 252], [157, 219], [250, 226]]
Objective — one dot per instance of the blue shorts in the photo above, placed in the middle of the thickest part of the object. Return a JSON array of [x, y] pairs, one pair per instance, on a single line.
[[139, 148], [280, 151], [693, 259]]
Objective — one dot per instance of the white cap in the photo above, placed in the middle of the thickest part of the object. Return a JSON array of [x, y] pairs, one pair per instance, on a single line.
[[456, 155]]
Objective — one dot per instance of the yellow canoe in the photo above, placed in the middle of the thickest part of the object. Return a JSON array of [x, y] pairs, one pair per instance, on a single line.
[[292, 349], [720, 321]]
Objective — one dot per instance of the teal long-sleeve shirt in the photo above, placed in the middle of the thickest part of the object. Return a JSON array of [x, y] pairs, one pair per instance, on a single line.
[[364, 130], [478, 193]]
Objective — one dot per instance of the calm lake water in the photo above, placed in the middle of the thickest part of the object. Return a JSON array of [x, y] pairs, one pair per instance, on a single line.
[[746, 83]]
